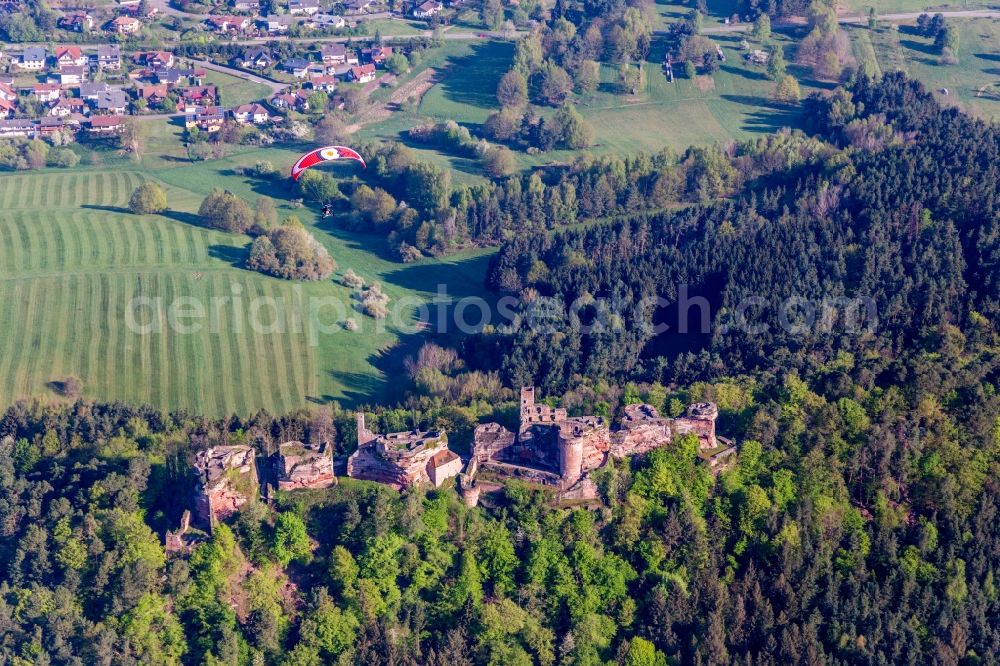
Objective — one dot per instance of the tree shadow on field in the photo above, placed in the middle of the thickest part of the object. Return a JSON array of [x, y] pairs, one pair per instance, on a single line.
[[458, 279], [473, 78], [121, 210], [234, 256], [771, 116], [359, 389], [435, 323], [752, 75], [770, 122], [995, 57], [754, 100], [919, 47]]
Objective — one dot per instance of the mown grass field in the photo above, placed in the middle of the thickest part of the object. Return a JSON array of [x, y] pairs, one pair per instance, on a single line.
[[234, 90], [736, 105], [72, 260], [901, 6], [978, 63]]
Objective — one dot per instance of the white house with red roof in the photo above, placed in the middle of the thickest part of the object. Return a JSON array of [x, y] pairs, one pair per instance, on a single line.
[[70, 56], [362, 73], [256, 114], [125, 25]]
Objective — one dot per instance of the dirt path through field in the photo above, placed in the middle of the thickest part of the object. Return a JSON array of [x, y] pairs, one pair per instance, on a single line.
[[415, 88]]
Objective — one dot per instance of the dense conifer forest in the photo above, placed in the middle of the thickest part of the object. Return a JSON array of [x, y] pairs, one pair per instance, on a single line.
[[858, 524]]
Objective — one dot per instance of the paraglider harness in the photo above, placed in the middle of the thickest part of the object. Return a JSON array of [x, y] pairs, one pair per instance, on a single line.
[[327, 209]]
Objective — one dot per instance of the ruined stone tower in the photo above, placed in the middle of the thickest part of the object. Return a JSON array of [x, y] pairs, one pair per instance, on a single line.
[[570, 457], [364, 434]]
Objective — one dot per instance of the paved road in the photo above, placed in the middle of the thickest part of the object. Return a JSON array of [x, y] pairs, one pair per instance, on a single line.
[[275, 86], [853, 19]]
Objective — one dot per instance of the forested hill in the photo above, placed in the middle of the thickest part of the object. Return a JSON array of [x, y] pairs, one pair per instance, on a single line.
[[857, 524], [905, 214]]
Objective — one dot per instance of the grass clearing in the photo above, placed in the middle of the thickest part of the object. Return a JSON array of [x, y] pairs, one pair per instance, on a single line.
[[906, 6], [234, 90], [978, 63], [72, 259]]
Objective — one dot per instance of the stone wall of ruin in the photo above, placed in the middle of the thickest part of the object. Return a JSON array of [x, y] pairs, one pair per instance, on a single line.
[[491, 441], [639, 439], [367, 464], [310, 471], [528, 474], [704, 429]]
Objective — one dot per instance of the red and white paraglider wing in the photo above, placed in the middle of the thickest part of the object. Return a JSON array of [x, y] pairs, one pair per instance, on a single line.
[[325, 154]]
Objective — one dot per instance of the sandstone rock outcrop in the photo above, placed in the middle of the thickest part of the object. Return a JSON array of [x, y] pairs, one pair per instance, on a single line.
[[227, 479], [304, 466]]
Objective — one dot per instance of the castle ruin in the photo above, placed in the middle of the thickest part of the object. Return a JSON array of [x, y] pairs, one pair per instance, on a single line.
[[227, 479], [304, 466], [403, 459], [553, 449]]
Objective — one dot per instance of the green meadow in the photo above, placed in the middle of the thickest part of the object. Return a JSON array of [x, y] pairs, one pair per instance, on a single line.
[[72, 261]]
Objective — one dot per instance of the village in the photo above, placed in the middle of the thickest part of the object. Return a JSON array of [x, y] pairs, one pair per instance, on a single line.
[[91, 93], [91, 89], [549, 450]]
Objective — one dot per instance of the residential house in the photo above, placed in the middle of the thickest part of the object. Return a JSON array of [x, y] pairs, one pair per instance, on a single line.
[[91, 91], [20, 127], [359, 6], [256, 114], [362, 73], [307, 7], [302, 99], [109, 56], [225, 25], [377, 55], [257, 58], [248, 6], [325, 21], [209, 119], [174, 76], [427, 9], [106, 125], [333, 54], [274, 25], [203, 96], [153, 94], [70, 56], [66, 106], [156, 60], [7, 108], [32, 59], [323, 83], [69, 76], [46, 92], [49, 126], [125, 25], [113, 102], [76, 22], [297, 101], [297, 67], [340, 72], [7, 92]]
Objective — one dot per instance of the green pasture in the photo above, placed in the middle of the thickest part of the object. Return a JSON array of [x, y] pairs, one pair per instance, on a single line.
[[973, 84], [72, 260], [234, 90]]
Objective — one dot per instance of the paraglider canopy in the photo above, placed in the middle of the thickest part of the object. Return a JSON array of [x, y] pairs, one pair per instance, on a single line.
[[325, 154]]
